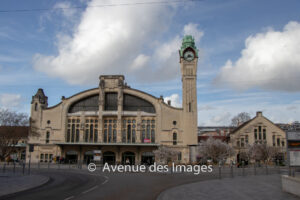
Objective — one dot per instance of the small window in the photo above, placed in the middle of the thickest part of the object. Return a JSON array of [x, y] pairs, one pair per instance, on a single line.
[[174, 138], [179, 156], [255, 134], [68, 135], [35, 106], [264, 134], [278, 141], [47, 137], [48, 122], [77, 135], [174, 123], [242, 142]]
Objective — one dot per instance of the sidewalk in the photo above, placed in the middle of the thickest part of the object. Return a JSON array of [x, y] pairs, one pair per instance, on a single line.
[[10, 183], [266, 187]]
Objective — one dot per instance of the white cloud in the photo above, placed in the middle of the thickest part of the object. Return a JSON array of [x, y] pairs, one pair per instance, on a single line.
[[139, 62], [113, 40], [270, 60], [192, 29], [175, 100], [220, 119], [206, 107], [222, 114], [105, 41], [10, 100]]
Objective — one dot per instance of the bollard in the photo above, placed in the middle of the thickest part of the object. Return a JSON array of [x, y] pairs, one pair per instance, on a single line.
[[220, 175], [243, 168], [14, 169], [23, 168], [29, 167], [4, 166]]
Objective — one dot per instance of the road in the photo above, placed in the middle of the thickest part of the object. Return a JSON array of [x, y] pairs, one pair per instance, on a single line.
[[80, 184]]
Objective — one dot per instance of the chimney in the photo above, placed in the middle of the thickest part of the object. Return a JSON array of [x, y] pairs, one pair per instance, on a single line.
[[259, 114], [169, 102]]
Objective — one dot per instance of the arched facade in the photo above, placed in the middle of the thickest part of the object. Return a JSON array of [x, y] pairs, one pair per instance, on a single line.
[[117, 118]]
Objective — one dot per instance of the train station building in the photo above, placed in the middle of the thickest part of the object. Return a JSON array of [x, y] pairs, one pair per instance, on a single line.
[[122, 122]]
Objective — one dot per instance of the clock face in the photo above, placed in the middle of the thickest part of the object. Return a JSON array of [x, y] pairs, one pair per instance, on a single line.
[[189, 56]]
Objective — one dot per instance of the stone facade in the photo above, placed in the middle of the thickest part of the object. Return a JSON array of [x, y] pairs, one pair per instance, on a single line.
[[124, 123], [258, 130]]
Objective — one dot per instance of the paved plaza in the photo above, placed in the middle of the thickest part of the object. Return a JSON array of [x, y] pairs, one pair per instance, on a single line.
[[266, 187]]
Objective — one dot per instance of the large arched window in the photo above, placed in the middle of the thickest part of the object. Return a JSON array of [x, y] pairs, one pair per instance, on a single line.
[[90, 103], [134, 103]]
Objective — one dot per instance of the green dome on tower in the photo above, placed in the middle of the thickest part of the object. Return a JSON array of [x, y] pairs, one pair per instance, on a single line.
[[188, 42]]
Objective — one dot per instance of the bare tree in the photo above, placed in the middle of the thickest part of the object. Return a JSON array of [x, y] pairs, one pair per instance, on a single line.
[[215, 149], [240, 119], [13, 127], [11, 118], [165, 154], [244, 154], [262, 152]]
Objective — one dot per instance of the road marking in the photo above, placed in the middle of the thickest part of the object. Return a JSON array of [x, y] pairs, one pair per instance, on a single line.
[[105, 182], [71, 197], [91, 189]]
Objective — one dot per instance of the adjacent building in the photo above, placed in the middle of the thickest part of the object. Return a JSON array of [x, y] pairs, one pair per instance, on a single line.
[[217, 132], [13, 142], [122, 122], [258, 130]]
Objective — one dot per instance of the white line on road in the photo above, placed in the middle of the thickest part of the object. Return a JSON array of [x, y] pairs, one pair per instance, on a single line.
[[71, 197], [91, 189], [105, 182]]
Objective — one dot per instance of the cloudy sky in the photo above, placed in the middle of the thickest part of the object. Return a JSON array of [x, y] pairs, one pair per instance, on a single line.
[[249, 52]]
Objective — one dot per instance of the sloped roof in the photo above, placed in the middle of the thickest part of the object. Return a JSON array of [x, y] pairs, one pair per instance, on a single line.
[[247, 122]]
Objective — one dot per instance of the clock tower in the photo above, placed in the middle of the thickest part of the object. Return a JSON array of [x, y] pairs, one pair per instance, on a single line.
[[188, 65]]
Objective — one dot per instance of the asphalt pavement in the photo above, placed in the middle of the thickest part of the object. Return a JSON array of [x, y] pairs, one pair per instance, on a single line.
[[67, 184]]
